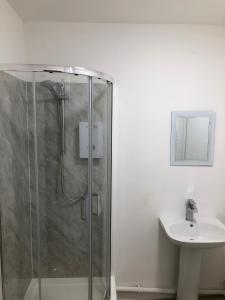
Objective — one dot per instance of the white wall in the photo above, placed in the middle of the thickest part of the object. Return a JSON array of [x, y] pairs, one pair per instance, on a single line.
[[157, 69], [11, 35]]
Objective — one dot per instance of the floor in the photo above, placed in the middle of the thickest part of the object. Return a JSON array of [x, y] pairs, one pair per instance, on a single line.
[[207, 298], [130, 296], [212, 298], [203, 298]]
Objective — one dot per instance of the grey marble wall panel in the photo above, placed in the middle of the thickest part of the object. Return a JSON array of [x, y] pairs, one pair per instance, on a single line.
[[14, 188], [66, 233]]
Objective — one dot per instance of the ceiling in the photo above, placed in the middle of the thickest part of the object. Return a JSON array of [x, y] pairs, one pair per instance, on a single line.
[[123, 11]]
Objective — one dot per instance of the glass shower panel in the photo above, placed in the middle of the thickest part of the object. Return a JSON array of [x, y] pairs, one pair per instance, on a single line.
[[15, 198], [100, 196], [62, 120]]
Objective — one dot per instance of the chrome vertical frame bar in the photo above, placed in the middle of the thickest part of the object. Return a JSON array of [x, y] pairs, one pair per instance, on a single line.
[[109, 189], [29, 181], [90, 185], [37, 186]]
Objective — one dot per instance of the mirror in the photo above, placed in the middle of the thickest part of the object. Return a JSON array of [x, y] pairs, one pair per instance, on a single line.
[[192, 138]]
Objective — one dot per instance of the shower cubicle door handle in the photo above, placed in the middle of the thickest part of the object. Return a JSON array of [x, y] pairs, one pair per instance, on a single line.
[[84, 207], [96, 206]]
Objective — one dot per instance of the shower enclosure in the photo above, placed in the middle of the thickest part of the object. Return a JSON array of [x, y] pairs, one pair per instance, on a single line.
[[55, 182]]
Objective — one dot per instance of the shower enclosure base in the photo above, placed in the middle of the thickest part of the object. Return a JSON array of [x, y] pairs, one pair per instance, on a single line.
[[67, 289]]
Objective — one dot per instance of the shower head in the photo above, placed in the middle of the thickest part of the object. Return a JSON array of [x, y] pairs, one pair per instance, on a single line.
[[54, 87]]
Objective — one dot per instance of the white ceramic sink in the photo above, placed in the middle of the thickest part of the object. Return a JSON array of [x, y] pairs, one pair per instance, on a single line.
[[193, 238], [205, 233]]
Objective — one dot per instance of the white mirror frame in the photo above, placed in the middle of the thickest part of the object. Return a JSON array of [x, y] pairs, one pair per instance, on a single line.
[[212, 123]]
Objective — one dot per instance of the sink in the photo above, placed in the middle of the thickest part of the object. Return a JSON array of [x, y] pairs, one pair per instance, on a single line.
[[205, 233], [193, 238]]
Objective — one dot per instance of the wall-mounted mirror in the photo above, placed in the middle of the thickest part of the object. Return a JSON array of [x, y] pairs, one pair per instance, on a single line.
[[192, 138]]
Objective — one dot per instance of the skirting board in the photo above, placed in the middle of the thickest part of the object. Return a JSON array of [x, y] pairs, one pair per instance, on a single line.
[[140, 289]]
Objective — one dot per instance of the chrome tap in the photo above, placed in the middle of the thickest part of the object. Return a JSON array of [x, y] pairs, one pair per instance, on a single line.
[[191, 209]]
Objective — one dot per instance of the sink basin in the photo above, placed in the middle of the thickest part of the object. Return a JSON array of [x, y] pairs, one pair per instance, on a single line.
[[205, 233], [193, 238]]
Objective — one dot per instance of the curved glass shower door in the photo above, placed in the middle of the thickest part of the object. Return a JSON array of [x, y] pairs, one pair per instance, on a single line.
[[101, 198]]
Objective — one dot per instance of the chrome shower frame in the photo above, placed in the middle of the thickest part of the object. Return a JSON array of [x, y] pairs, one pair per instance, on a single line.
[[53, 69], [6, 67]]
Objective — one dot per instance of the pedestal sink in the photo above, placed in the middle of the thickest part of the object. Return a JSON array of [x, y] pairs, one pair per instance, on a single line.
[[193, 238]]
